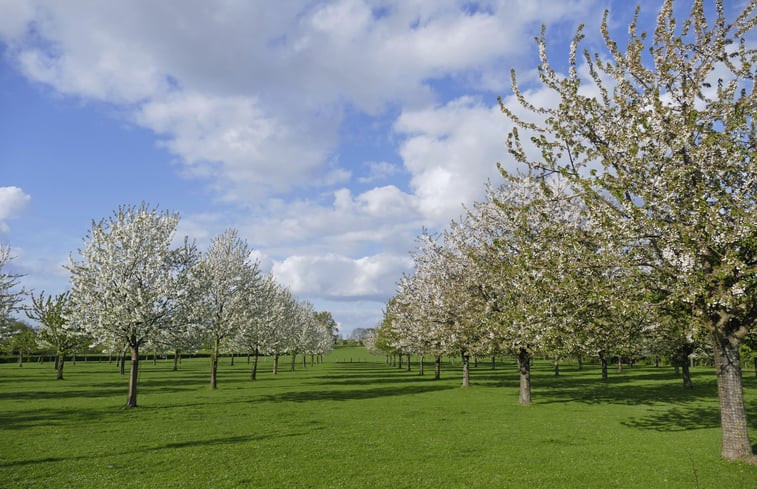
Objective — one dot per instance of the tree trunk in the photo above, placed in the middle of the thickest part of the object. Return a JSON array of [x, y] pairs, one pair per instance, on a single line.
[[494, 362], [556, 365], [154, 357], [248, 359], [656, 362], [686, 376], [73, 358], [475, 361], [733, 420], [466, 370], [176, 356], [304, 360], [684, 360], [755, 365], [620, 364], [676, 369], [580, 362], [524, 366], [437, 367], [57, 359], [214, 364], [59, 368], [294, 359], [131, 400], [275, 363], [20, 358], [254, 373], [407, 367], [603, 360], [420, 365], [401, 357], [232, 359]]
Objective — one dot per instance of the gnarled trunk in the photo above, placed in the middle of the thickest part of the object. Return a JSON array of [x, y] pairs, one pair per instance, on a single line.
[[524, 367], [733, 420], [686, 376], [466, 370], [59, 367], [684, 361], [603, 361], [131, 400]]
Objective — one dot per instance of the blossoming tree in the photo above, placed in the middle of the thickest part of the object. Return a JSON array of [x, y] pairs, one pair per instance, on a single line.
[[659, 140]]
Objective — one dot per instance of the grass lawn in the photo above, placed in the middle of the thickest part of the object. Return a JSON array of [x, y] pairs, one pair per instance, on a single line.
[[362, 424]]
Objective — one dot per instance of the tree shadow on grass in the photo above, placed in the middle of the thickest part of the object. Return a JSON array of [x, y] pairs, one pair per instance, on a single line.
[[18, 420], [230, 440], [101, 390], [685, 418], [368, 379], [609, 392], [349, 395]]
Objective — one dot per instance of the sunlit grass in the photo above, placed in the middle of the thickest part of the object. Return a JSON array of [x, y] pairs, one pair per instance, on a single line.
[[362, 424]]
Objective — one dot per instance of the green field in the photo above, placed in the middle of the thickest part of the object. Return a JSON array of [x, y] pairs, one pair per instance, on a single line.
[[362, 424]]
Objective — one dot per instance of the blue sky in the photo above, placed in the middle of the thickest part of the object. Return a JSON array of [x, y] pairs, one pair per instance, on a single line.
[[328, 133]]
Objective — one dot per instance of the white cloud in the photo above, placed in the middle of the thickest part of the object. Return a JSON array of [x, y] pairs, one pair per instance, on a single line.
[[12, 202], [336, 276], [233, 140], [383, 218], [450, 151]]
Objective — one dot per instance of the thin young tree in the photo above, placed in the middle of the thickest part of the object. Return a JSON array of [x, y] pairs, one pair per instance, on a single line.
[[55, 332], [223, 282]]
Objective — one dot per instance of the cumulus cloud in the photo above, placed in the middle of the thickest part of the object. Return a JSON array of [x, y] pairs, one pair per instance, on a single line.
[[335, 276], [12, 202], [233, 140], [450, 151]]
